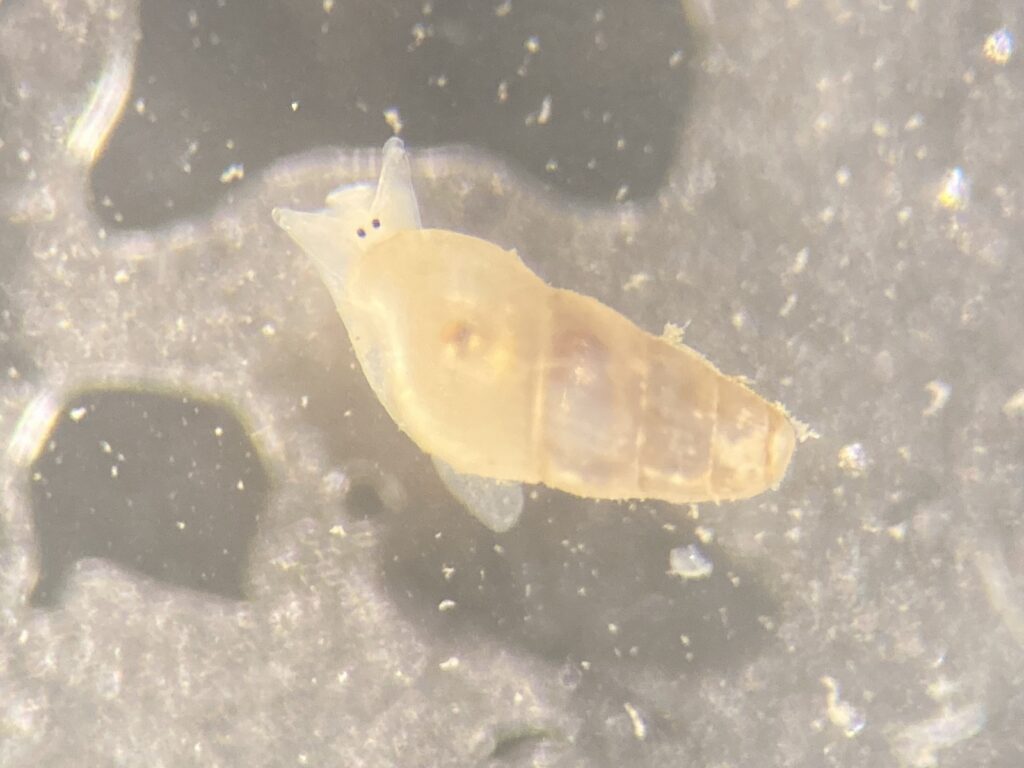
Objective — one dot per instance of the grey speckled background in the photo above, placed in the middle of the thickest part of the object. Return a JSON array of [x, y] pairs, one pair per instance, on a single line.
[[217, 550]]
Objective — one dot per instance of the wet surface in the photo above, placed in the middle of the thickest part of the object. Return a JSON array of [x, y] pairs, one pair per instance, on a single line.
[[159, 483], [830, 206], [242, 84]]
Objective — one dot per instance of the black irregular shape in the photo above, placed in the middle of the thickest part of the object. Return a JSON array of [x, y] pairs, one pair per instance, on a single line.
[[166, 485], [577, 580], [249, 81]]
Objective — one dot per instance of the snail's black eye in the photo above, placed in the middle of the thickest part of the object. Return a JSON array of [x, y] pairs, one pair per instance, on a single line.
[[361, 232], [376, 223]]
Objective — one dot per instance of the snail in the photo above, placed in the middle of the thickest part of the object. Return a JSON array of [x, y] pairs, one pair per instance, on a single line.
[[503, 379]]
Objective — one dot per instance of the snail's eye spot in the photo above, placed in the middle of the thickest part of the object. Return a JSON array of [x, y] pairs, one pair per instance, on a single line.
[[376, 223], [361, 232]]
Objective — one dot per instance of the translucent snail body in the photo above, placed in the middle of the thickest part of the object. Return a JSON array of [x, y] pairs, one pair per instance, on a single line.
[[504, 379]]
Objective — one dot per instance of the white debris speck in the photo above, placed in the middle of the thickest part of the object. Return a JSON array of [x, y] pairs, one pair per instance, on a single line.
[[917, 744], [234, 172], [956, 190], [799, 261], [841, 713], [788, 305], [622, 193], [181, 525], [639, 726], [1015, 405], [445, 605], [532, 44], [999, 46], [689, 562], [503, 91], [541, 116], [121, 277], [675, 59], [853, 459], [939, 392], [77, 414], [449, 664], [843, 176], [636, 280], [338, 530], [393, 119]]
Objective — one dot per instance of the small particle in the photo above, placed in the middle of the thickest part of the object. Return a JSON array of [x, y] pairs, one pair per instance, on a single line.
[[551, 165], [180, 525], [328, 6], [532, 44], [914, 122], [113, 470], [218, 431], [393, 119], [738, 319], [338, 531], [234, 172], [268, 330], [704, 534], [897, 532], [853, 459], [955, 190], [999, 46], [240, 485], [639, 726], [420, 32], [841, 713], [787, 307], [904, 214], [1015, 405], [445, 605], [675, 59], [502, 91], [843, 176], [449, 664], [622, 193], [939, 392], [545, 111], [295, 106], [799, 261], [140, 106], [121, 277], [689, 563], [77, 414], [880, 128], [504, 9], [636, 281]]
